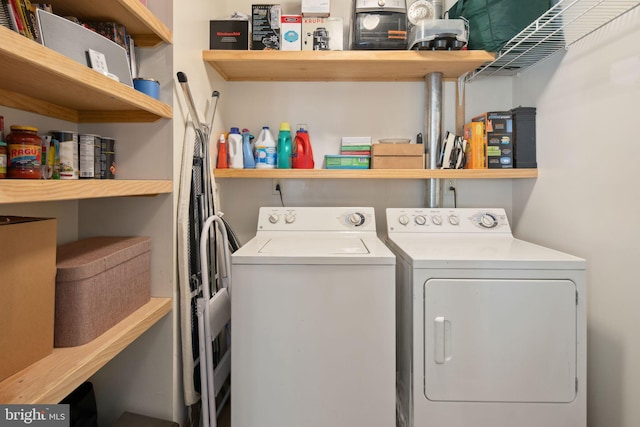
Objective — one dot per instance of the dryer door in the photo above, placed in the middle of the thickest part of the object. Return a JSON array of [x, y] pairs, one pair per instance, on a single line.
[[500, 340]]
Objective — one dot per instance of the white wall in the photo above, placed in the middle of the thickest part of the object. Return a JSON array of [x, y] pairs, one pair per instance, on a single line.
[[585, 200], [332, 110]]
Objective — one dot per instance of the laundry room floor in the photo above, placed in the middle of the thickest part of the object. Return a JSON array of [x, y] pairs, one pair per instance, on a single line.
[[224, 420]]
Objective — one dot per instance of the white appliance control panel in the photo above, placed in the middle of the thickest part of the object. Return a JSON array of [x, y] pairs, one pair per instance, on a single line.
[[452, 220], [316, 219]]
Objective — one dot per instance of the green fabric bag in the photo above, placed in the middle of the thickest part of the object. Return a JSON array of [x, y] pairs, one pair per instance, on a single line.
[[492, 23]]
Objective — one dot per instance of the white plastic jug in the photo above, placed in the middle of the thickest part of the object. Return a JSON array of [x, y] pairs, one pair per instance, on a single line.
[[265, 150], [234, 146]]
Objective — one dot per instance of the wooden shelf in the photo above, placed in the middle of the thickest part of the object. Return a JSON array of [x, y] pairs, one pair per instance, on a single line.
[[376, 173], [145, 28], [374, 66], [28, 190], [37, 79], [50, 379]]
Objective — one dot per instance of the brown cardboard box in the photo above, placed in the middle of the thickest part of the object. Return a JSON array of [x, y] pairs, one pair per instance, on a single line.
[[100, 281], [397, 156], [27, 286]]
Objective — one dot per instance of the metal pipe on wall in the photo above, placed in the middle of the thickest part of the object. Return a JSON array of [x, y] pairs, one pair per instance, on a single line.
[[433, 123]]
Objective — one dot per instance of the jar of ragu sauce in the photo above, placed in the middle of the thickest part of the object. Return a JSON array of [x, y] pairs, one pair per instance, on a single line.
[[25, 152]]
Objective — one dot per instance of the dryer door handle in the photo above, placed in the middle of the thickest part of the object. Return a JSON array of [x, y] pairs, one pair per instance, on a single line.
[[441, 337]]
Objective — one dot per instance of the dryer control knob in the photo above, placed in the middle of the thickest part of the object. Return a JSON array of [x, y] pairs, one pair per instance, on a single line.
[[487, 220], [436, 219], [356, 219], [403, 219], [290, 218], [273, 218], [420, 220], [381, 3], [454, 220]]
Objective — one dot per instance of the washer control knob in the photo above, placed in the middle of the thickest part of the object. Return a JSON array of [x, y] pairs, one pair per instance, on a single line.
[[488, 220], [436, 219], [403, 219], [290, 218], [273, 218], [356, 219], [421, 220], [454, 220], [381, 3]]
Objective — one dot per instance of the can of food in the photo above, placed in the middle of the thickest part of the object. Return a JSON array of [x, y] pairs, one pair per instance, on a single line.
[[86, 151], [68, 153], [108, 158], [24, 152], [48, 157], [97, 158]]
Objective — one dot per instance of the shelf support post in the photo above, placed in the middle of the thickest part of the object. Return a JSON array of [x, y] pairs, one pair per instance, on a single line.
[[433, 124]]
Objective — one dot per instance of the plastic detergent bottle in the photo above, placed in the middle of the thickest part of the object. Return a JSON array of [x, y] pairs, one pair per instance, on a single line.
[[265, 150], [284, 146], [222, 153], [234, 147], [247, 151], [302, 154]]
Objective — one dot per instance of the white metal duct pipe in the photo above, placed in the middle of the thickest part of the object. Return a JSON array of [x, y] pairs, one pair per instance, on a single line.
[[433, 123]]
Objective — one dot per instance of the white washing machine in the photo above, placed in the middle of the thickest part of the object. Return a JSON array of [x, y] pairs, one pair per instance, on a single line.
[[491, 329], [313, 322]]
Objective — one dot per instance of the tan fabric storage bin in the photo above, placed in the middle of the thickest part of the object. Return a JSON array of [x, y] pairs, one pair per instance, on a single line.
[[99, 282]]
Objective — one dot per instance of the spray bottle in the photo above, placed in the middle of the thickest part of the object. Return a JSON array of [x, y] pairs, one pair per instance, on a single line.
[[302, 154], [284, 146], [222, 153], [265, 150], [234, 146], [247, 152]]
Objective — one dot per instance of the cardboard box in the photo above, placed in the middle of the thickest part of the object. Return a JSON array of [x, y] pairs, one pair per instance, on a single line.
[[28, 269], [291, 32], [265, 26], [498, 131], [99, 282], [397, 156], [229, 35], [322, 34], [476, 150], [321, 8], [346, 162]]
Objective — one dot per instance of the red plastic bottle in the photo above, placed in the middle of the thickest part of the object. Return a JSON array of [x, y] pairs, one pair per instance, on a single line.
[[223, 158], [302, 154]]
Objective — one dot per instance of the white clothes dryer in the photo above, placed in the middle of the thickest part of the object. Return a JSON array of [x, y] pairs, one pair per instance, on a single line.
[[491, 330], [313, 321]]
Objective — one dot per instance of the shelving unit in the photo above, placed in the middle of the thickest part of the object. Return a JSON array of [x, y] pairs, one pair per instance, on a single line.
[[52, 378], [350, 66], [564, 24], [376, 173], [37, 79], [145, 28], [27, 190], [356, 66]]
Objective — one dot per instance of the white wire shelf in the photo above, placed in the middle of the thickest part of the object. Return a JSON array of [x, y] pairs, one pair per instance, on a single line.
[[561, 26]]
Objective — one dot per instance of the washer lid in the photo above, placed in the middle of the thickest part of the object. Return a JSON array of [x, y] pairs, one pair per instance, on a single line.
[[314, 248], [318, 246]]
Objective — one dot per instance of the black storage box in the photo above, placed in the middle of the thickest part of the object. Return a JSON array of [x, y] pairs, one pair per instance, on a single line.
[[524, 137], [229, 35]]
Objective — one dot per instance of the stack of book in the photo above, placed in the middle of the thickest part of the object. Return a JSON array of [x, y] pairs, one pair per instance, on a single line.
[[20, 16], [356, 145], [355, 153]]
